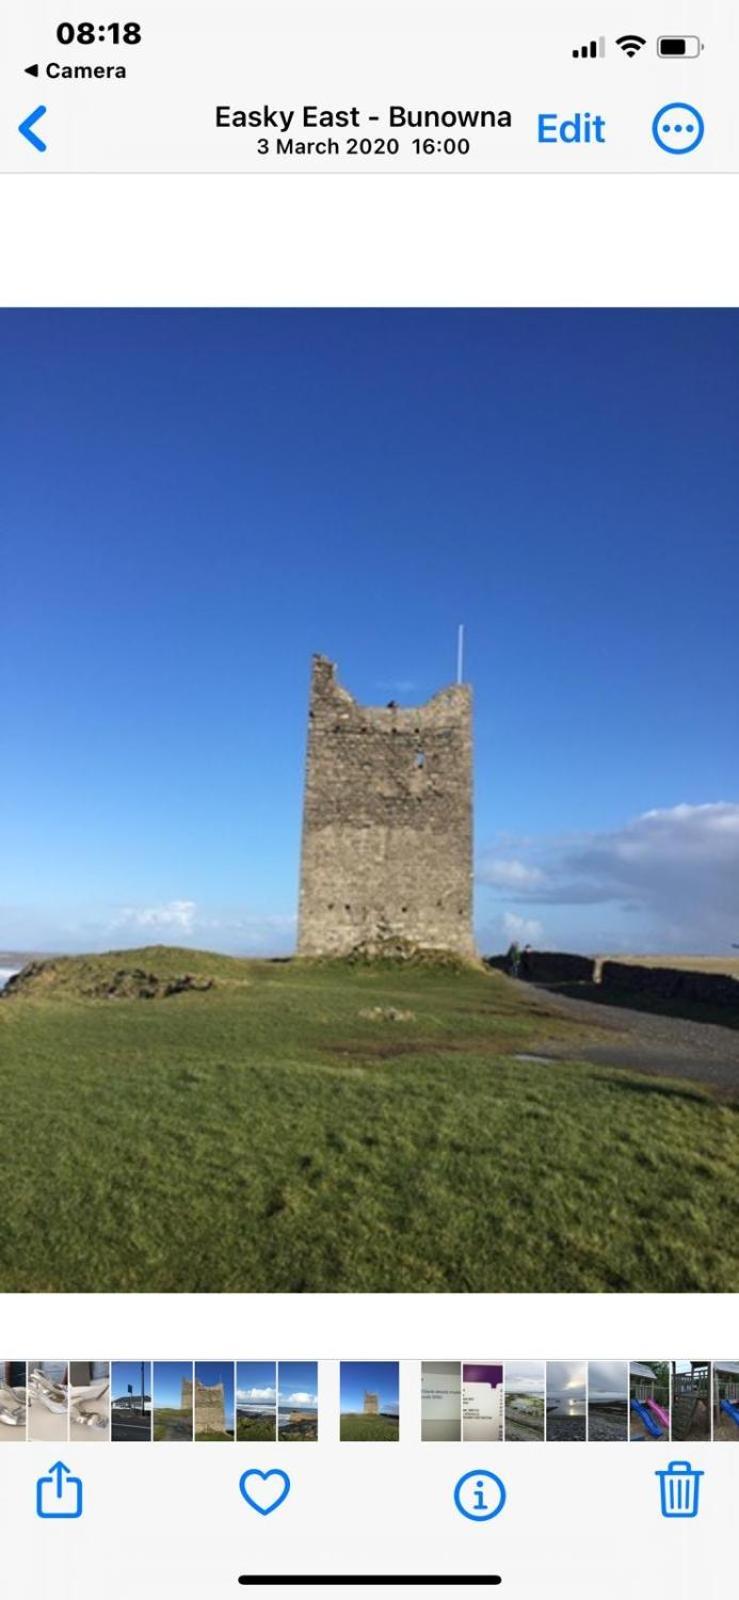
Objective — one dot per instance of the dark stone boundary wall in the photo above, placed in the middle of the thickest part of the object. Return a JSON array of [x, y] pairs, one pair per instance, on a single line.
[[671, 983], [628, 978], [551, 966]]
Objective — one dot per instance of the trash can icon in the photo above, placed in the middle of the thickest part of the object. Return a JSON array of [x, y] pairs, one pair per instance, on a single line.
[[679, 1488]]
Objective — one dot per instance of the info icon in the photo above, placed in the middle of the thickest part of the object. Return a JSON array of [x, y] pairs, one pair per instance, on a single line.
[[480, 1495]]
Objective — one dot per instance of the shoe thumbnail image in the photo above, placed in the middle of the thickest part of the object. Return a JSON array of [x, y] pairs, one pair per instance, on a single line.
[[370, 1401], [214, 1401], [482, 1401], [173, 1401], [566, 1400], [524, 1400], [691, 1401], [89, 1401], [256, 1401], [48, 1401], [608, 1400], [441, 1401], [130, 1405], [649, 1400], [13, 1379], [726, 1400], [297, 1401]]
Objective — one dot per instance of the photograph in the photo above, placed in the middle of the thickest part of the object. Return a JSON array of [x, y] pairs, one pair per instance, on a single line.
[[649, 1400], [370, 1402], [89, 1401], [608, 1400], [297, 1401], [130, 1405], [13, 1401], [370, 677], [691, 1401], [441, 1401], [524, 1401], [48, 1401], [482, 1401], [567, 1391], [726, 1401], [256, 1401], [173, 1402], [214, 1401]]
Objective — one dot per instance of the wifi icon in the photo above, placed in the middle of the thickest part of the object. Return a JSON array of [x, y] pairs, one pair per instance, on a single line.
[[630, 43]]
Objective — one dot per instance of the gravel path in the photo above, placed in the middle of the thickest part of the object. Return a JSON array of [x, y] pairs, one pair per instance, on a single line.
[[668, 1047]]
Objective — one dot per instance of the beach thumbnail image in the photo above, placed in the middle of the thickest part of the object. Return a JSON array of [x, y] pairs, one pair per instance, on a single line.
[[691, 1401], [13, 1378], [726, 1400], [214, 1401], [566, 1400], [441, 1401], [297, 1401], [256, 1401], [370, 1401], [608, 1400], [89, 1401], [524, 1400], [48, 1401], [130, 1405], [173, 1401], [482, 1401], [649, 1400]]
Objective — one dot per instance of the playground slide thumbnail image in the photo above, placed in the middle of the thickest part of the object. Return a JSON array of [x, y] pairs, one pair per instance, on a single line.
[[726, 1401], [370, 1401], [691, 1401], [649, 1400]]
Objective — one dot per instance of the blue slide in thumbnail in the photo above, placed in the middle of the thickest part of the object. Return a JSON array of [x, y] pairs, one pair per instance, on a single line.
[[647, 1418], [731, 1411]]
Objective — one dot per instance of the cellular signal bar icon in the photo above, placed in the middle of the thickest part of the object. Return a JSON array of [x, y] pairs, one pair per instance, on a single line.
[[589, 52]]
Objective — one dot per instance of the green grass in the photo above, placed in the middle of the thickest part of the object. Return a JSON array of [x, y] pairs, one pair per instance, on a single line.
[[355, 1426], [262, 1429], [170, 1423], [263, 1135]]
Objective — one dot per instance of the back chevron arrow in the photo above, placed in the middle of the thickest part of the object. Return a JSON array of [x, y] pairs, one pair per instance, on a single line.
[[26, 128]]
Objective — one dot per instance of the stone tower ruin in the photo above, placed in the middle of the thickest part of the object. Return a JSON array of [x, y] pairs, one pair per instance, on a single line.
[[387, 822]]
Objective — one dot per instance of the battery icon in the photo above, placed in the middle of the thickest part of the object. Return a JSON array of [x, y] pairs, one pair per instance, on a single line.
[[679, 46]]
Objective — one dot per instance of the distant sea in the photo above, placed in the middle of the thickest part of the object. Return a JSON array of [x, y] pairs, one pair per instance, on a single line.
[[565, 1405]]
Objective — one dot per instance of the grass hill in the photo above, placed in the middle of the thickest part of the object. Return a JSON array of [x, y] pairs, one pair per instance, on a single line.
[[334, 1126]]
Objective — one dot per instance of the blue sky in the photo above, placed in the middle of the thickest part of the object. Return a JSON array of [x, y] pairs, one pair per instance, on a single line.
[[213, 1372], [125, 1372], [298, 1384], [369, 1377], [191, 503], [256, 1384], [168, 1380]]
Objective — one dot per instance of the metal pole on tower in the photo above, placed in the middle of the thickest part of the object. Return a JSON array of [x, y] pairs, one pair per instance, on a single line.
[[460, 651]]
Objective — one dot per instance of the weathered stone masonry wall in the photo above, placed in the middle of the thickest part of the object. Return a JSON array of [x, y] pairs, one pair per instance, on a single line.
[[387, 821]]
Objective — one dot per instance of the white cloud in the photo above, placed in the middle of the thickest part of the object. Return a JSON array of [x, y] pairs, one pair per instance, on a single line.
[[527, 930], [178, 914], [247, 1396], [501, 874], [301, 1399], [674, 871]]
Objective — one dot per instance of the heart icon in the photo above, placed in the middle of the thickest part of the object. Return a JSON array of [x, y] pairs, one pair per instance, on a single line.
[[261, 1494]]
